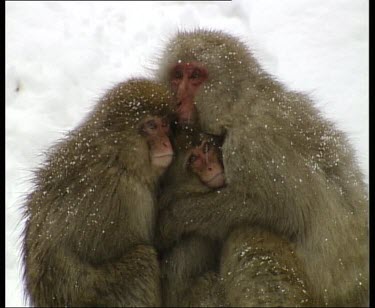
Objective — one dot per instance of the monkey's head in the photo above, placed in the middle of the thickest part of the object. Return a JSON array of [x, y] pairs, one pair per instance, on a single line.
[[199, 158], [155, 130], [205, 161], [206, 71], [135, 118]]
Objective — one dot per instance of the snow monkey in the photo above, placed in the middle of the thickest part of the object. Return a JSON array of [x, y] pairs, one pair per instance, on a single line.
[[288, 171], [89, 235], [190, 268]]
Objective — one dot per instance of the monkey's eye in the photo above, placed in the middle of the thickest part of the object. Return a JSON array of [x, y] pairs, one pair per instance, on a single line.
[[178, 74], [151, 124], [164, 123], [192, 158], [196, 74], [206, 147]]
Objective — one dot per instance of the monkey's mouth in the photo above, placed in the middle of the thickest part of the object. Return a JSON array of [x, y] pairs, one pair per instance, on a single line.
[[164, 155], [214, 177], [162, 160], [186, 117], [185, 120], [217, 181]]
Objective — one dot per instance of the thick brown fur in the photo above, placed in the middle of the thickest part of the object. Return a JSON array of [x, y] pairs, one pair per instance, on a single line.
[[260, 269], [289, 170], [254, 263], [189, 269], [90, 219]]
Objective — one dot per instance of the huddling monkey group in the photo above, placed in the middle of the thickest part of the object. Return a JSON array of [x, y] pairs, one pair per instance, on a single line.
[[210, 185]]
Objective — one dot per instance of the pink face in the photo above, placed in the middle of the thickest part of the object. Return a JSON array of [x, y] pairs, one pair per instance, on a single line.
[[156, 132], [205, 163], [186, 79]]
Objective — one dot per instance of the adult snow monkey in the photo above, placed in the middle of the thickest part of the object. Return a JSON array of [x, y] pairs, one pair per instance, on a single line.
[[288, 170]]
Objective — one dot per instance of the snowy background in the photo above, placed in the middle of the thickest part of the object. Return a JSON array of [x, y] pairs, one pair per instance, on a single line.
[[62, 56]]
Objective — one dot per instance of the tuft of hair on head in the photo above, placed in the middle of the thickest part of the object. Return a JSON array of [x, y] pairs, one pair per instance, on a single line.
[[147, 97], [131, 101]]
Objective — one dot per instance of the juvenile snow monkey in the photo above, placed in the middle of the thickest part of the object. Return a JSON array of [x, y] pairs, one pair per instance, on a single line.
[[90, 219], [190, 268]]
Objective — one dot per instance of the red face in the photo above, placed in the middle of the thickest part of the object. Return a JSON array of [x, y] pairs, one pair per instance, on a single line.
[[186, 79], [205, 163], [156, 132]]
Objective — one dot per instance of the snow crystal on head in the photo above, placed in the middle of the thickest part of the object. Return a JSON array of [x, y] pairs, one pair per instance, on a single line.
[[131, 101]]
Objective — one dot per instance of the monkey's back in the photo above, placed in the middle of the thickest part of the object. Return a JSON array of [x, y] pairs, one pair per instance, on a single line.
[[311, 169], [85, 210]]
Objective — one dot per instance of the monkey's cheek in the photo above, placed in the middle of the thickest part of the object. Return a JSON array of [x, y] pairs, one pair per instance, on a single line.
[[162, 161]]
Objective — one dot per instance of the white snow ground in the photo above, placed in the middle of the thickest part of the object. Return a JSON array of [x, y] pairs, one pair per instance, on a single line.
[[62, 56]]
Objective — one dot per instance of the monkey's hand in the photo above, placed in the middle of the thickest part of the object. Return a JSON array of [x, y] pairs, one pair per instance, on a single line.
[[165, 234]]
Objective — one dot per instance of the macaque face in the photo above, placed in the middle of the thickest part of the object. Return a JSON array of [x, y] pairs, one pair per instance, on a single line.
[[204, 161], [156, 132], [186, 79]]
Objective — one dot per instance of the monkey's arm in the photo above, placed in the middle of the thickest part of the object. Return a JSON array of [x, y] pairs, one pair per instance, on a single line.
[[259, 269], [131, 280], [79, 264], [208, 214], [258, 192]]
